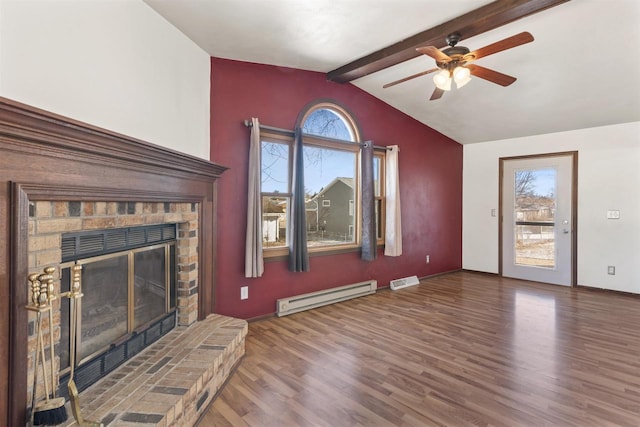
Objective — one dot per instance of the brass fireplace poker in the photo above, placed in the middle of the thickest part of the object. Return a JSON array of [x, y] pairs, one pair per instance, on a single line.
[[74, 296]]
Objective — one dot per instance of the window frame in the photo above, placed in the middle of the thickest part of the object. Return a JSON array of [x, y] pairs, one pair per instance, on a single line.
[[273, 136], [278, 138], [382, 198]]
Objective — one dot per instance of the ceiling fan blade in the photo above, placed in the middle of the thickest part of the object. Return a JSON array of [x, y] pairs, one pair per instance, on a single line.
[[437, 94], [499, 46], [435, 53], [491, 75], [409, 78]]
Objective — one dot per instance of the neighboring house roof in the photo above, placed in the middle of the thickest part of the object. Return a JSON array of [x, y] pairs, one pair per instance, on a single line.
[[346, 181]]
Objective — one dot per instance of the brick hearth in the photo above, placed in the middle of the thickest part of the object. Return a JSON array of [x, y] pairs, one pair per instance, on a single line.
[[171, 382]]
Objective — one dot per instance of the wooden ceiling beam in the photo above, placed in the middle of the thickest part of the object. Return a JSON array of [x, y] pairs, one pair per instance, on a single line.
[[478, 21]]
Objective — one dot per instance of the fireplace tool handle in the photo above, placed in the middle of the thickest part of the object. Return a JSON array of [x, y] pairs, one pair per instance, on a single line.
[[47, 280], [74, 296]]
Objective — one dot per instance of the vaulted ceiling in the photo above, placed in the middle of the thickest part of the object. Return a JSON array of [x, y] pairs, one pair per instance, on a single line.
[[582, 70]]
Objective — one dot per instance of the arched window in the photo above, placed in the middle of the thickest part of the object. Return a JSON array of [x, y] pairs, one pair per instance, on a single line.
[[331, 151], [329, 120]]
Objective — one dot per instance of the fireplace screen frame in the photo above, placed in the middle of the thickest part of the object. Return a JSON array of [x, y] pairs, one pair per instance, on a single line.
[[170, 300], [89, 246]]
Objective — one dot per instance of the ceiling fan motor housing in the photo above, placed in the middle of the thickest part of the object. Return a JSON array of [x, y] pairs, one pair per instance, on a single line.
[[457, 55]]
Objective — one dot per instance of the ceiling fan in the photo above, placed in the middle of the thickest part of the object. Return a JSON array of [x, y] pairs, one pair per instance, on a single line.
[[454, 63]]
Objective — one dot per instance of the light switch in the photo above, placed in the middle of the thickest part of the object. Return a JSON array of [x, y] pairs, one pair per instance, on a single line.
[[613, 214]]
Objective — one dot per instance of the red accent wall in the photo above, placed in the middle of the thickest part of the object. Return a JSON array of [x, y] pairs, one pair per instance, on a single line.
[[430, 185]]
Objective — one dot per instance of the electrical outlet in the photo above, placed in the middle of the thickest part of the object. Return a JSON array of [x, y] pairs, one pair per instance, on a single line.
[[611, 270], [244, 292], [428, 259]]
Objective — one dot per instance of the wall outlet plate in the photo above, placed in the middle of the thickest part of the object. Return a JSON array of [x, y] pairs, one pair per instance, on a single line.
[[244, 292], [611, 270], [613, 214]]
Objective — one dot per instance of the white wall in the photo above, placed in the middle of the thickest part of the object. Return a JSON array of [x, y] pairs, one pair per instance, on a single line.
[[608, 178], [115, 64]]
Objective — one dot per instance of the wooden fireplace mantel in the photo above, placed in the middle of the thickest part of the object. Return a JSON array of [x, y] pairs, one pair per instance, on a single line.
[[44, 156]]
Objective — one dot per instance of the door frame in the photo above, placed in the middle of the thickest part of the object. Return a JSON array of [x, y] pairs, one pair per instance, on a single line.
[[574, 207]]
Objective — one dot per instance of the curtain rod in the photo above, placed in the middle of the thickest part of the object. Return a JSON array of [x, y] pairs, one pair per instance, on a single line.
[[288, 132]]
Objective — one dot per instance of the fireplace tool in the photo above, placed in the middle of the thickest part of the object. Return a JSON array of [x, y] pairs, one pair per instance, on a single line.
[[51, 411], [74, 296]]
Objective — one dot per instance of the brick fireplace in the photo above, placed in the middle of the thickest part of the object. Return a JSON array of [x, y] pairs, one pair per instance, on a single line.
[[61, 176], [50, 221]]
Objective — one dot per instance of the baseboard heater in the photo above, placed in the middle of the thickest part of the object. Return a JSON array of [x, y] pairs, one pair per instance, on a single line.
[[403, 283], [311, 300]]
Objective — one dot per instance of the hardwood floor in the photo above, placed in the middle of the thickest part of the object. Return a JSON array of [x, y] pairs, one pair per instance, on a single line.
[[456, 350]]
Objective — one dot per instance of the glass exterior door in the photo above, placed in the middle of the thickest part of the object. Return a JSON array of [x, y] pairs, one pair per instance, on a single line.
[[537, 219]]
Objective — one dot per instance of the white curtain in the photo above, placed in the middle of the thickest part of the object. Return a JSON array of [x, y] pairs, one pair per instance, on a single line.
[[254, 263], [393, 225]]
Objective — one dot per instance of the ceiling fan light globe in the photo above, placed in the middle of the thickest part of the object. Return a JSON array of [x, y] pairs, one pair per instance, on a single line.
[[461, 73], [442, 80], [446, 85], [462, 82]]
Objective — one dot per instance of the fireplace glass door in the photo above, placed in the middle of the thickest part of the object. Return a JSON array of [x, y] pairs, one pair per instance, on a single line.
[[150, 286], [104, 306]]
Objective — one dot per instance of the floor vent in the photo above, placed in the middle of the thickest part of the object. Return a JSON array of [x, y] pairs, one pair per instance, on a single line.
[[403, 283], [328, 296]]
